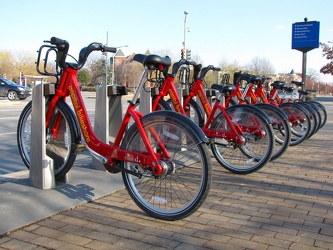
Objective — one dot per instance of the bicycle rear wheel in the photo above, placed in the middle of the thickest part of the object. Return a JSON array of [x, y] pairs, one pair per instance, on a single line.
[[315, 119], [281, 128], [258, 145], [322, 112], [299, 120], [60, 146], [175, 195]]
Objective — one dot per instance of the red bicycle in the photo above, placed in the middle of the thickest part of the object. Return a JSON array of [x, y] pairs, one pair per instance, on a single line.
[[163, 156], [296, 116], [320, 110], [277, 117], [241, 137], [254, 93]]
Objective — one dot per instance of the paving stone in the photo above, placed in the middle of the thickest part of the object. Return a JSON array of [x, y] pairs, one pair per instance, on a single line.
[[287, 204]]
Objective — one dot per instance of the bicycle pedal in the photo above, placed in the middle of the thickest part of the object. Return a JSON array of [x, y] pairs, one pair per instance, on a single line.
[[80, 148]]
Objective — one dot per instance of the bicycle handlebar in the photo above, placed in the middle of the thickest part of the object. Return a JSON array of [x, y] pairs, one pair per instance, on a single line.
[[178, 64], [208, 68], [63, 46]]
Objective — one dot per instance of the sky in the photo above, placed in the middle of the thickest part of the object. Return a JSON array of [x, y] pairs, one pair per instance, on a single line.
[[234, 30]]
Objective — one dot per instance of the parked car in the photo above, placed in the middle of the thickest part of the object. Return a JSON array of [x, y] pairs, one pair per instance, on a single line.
[[12, 91]]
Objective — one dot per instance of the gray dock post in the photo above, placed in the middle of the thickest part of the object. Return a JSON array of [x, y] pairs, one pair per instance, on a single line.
[[108, 116], [41, 173]]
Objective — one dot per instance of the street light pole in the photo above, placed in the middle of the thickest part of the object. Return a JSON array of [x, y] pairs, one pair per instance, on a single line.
[[184, 43]]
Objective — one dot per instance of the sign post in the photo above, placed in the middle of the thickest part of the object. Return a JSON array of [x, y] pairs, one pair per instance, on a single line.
[[305, 37]]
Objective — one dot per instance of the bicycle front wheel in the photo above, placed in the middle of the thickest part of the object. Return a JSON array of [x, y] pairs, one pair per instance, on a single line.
[[60, 142], [175, 195], [258, 145]]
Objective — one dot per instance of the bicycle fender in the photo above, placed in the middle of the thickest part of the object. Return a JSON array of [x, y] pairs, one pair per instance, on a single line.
[[186, 122]]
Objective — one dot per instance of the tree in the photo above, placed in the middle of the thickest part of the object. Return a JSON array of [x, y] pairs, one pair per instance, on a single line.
[[6, 64], [260, 66], [97, 70], [312, 77], [328, 53], [83, 77], [229, 68], [25, 62]]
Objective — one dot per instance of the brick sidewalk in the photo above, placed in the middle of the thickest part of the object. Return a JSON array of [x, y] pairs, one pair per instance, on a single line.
[[287, 204]]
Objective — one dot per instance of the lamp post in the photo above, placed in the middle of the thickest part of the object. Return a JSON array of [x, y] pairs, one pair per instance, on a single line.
[[184, 43], [113, 62]]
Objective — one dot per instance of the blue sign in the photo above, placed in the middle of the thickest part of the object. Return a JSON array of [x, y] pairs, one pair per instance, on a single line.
[[305, 36]]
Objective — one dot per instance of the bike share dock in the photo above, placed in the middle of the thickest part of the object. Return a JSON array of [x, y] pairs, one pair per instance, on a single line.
[[285, 205], [29, 196]]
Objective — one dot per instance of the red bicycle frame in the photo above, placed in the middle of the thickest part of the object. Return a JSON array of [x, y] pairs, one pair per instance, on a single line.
[[168, 88], [69, 86]]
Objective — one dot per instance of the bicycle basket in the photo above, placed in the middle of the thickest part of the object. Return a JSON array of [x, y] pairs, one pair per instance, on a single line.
[[47, 63], [184, 75]]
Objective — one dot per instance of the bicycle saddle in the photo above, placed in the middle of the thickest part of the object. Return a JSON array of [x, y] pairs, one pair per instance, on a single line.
[[303, 92], [153, 61], [279, 85], [290, 89], [223, 88], [298, 84]]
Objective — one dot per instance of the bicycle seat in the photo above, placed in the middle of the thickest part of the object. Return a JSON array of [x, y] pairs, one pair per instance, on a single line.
[[290, 89], [302, 92], [153, 61], [298, 84], [279, 84], [223, 88]]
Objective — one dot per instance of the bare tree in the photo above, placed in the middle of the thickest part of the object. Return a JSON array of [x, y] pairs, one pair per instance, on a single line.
[[312, 77], [229, 68], [25, 62], [260, 66], [6, 64]]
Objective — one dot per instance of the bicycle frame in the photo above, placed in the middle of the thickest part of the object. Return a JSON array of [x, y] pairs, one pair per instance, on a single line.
[[69, 86], [168, 88], [242, 96]]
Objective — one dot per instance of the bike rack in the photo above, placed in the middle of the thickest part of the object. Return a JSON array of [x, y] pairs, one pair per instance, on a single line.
[[41, 173], [108, 115]]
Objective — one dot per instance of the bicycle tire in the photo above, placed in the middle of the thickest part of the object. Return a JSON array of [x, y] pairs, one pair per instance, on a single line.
[[299, 119], [281, 128], [175, 195], [313, 118], [60, 148], [317, 115], [255, 152], [322, 111]]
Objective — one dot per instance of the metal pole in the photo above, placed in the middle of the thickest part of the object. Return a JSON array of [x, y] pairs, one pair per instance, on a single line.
[[113, 68], [304, 70], [184, 43]]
